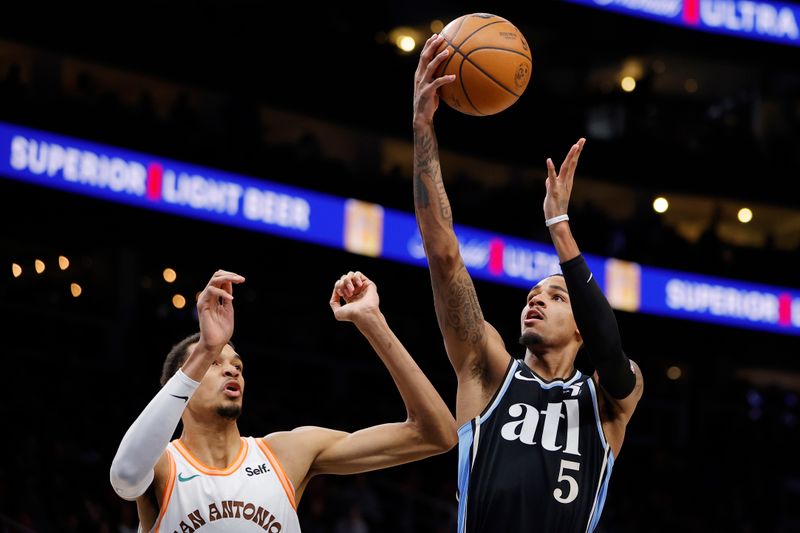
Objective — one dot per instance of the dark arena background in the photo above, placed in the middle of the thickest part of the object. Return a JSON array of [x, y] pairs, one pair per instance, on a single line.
[[314, 104]]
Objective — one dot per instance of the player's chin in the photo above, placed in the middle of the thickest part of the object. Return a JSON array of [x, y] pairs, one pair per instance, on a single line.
[[229, 410], [530, 338]]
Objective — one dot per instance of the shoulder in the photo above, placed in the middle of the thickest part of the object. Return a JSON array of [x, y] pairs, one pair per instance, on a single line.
[[296, 450], [302, 444]]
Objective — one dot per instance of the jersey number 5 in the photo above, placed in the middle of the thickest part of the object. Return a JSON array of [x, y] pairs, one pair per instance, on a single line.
[[558, 494]]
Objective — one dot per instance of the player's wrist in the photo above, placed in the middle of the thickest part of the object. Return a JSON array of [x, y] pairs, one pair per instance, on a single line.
[[422, 122], [369, 317], [551, 221]]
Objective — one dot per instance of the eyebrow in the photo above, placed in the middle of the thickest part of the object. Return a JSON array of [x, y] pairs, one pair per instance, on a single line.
[[549, 287], [559, 288]]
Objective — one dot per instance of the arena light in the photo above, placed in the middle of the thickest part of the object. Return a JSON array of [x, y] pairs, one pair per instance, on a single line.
[[178, 301], [660, 205], [628, 84], [437, 26], [691, 86], [63, 262], [406, 38], [406, 43], [745, 215], [75, 289], [39, 266], [170, 275], [674, 373], [16, 270]]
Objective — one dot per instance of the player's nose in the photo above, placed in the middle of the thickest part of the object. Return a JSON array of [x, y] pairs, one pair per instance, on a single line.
[[537, 301]]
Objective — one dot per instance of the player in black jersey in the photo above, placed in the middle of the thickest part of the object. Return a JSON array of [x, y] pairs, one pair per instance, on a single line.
[[537, 438]]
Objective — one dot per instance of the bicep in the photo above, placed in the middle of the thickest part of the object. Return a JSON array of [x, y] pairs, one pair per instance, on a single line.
[[625, 407], [459, 315], [368, 449]]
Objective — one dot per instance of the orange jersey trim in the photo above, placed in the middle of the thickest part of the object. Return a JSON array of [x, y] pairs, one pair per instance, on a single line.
[[207, 470], [167, 491], [284, 479]]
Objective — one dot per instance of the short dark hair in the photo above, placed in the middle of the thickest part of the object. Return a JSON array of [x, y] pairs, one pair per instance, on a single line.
[[177, 356]]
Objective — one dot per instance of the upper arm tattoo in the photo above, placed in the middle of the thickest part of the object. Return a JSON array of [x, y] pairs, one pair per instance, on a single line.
[[459, 309]]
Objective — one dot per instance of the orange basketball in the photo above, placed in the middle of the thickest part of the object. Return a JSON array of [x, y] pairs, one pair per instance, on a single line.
[[491, 60]]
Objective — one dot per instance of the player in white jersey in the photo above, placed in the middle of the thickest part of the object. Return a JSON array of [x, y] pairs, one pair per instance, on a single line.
[[211, 478]]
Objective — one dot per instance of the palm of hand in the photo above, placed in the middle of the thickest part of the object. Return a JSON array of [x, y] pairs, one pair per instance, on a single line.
[[216, 323]]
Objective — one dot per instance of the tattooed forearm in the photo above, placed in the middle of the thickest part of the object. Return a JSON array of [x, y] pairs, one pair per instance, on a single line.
[[420, 192], [459, 310], [427, 171]]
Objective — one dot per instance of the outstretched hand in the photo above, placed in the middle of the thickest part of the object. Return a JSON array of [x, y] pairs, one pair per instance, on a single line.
[[215, 309], [359, 294], [559, 186], [426, 85]]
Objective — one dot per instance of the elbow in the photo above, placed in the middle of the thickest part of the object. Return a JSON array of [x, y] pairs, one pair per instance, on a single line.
[[441, 438], [445, 256], [128, 481], [450, 439]]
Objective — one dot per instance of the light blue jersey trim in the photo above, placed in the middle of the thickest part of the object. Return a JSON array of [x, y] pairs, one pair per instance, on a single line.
[[597, 508], [605, 474], [557, 383], [465, 438], [590, 383], [468, 446], [499, 397]]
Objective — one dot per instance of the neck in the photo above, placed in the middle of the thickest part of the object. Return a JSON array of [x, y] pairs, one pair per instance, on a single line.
[[216, 443], [550, 363]]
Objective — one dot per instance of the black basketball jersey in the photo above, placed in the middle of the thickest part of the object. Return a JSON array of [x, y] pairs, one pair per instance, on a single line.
[[536, 460]]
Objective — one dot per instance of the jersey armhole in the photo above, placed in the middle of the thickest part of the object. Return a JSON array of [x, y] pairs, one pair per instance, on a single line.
[[496, 397], [276, 465], [167, 494], [598, 418]]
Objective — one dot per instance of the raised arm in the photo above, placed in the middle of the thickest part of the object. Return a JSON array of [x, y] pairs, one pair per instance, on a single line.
[[429, 428], [619, 377], [140, 457], [474, 348]]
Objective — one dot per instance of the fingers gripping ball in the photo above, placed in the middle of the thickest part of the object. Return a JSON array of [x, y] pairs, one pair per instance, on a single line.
[[491, 60]]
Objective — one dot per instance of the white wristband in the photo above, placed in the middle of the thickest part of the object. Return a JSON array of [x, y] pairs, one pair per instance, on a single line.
[[555, 220]]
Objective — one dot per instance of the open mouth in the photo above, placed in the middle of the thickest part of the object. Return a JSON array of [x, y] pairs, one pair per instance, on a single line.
[[232, 389], [533, 316]]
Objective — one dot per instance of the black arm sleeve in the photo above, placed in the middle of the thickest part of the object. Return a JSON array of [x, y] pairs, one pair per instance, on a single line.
[[598, 327]]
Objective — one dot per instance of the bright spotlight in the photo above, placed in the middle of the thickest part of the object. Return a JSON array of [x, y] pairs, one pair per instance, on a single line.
[[745, 215], [406, 43], [660, 205], [628, 84], [178, 301], [170, 275]]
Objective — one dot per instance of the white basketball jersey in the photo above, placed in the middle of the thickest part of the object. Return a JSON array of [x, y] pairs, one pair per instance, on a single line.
[[252, 494]]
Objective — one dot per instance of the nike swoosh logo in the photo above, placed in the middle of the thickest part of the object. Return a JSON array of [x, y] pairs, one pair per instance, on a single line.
[[590, 277], [181, 478], [184, 398], [520, 375]]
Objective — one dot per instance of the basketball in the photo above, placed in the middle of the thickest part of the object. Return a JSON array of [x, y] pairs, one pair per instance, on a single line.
[[491, 60]]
